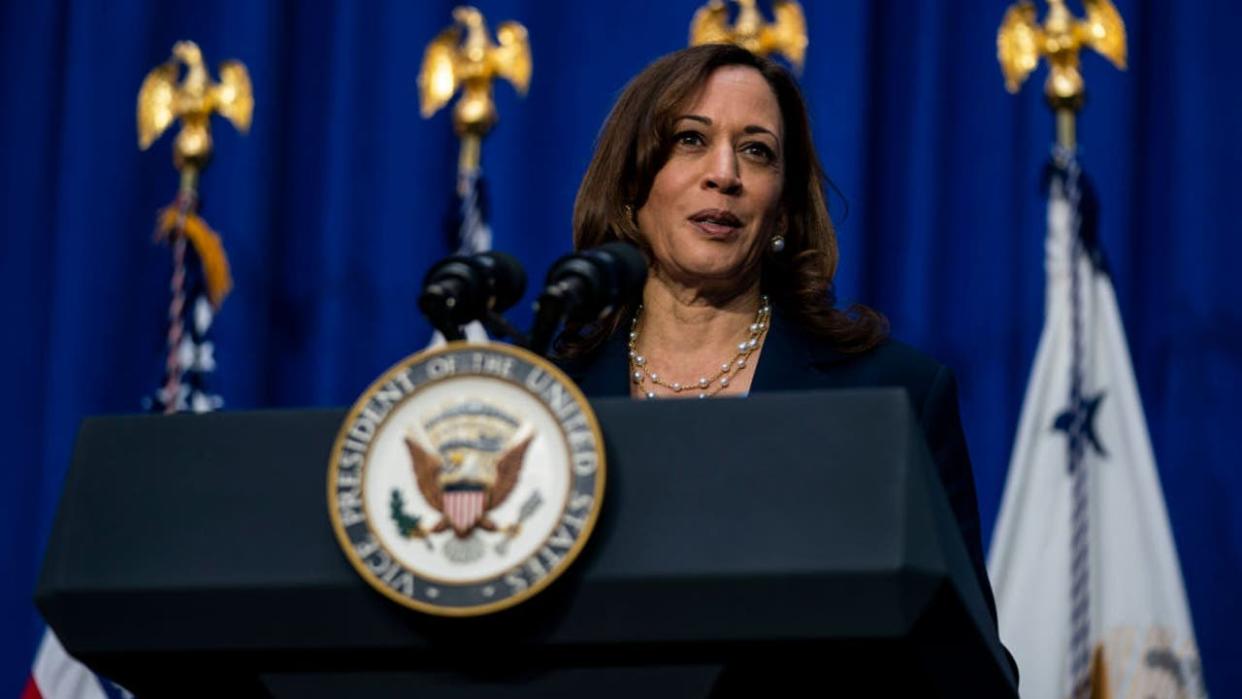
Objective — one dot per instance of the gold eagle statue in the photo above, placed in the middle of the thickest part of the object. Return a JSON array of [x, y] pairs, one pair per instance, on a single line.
[[161, 100], [786, 35], [1021, 42], [471, 63], [495, 477]]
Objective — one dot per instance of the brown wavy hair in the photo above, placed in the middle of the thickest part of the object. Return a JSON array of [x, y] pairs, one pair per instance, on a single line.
[[636, 141]]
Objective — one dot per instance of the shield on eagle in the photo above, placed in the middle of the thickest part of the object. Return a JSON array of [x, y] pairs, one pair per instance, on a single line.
[[463, 506], [473, 465]]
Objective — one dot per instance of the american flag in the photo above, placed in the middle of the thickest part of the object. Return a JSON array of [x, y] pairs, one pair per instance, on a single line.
[[196, 291], [57, 675], [198, 285]]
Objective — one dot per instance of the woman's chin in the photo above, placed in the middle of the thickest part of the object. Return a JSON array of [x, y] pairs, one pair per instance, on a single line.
[[710, 272]]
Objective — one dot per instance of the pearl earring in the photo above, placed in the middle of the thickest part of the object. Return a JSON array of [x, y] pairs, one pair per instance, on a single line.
[[778, 243]]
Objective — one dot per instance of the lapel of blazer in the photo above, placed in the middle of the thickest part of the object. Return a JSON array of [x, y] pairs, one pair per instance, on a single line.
[[606, 374], [792, 360]]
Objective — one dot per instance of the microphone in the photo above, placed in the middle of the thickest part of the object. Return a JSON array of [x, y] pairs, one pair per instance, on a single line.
[[464, 288], [587, 285]]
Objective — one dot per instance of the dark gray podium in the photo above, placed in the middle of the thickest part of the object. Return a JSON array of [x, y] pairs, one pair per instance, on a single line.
[[745, 547]]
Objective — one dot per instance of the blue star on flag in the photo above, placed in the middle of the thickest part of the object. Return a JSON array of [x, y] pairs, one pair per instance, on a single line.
[[1088, 407]]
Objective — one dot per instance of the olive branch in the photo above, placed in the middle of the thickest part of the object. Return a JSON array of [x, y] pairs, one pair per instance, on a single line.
[[408, 526]]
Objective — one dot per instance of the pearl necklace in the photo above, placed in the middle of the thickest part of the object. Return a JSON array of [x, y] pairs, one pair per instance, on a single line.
[[706, 385]]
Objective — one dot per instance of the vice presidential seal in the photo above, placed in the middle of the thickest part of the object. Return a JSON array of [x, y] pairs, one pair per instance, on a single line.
[[466, 479]]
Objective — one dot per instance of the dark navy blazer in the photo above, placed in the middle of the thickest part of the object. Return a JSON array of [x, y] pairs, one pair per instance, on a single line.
[[792, 360]]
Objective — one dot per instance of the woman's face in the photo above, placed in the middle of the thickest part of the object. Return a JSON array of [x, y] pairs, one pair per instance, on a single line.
[[716, 203]]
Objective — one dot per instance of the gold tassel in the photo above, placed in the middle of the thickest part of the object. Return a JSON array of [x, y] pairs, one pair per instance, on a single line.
[[210, 251]]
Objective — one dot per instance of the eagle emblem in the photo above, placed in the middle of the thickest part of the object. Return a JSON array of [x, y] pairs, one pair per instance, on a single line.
[[786, 35], [1022, 41], [468, 59], [466, 479], [161, 100], [469, 469]]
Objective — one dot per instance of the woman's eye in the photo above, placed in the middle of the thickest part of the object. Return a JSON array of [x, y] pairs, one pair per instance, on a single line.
[[760, 150], [688, 138]]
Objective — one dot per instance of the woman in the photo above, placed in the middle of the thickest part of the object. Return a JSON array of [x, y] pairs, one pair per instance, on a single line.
[[706, 163]]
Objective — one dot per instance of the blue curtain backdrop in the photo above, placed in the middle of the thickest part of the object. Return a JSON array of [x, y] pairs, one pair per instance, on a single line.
[[332, 208]]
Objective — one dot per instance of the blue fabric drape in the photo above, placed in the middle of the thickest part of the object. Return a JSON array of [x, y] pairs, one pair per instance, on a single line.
[[332, 208]]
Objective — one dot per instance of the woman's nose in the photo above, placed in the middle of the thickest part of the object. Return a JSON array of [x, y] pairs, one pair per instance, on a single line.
[[721, 171]]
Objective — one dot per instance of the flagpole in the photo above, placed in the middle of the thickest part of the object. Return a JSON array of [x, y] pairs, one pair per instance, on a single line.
[[464, 57], [1066, 130], [1090, 601], [163, 100], [468, 161], [1021, 43], [187, 196]]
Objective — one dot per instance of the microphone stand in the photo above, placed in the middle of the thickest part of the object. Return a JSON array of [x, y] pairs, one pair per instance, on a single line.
[[551, 308], [497, 326]]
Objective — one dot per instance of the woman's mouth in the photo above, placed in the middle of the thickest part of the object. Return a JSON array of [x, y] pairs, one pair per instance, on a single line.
[[716, 223]]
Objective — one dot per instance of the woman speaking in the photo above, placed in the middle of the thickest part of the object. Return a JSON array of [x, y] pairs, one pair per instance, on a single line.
[[706, 164]]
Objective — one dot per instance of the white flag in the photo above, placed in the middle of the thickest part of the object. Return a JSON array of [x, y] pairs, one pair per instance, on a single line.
[[474, 235], [1087, 582]]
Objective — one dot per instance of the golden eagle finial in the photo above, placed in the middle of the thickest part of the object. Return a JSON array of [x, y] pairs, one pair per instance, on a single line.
[[161, 100], [1021, 42], [471, 62], [786, 35]]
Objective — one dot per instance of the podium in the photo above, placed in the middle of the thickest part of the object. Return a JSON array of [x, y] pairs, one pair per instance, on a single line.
[[745, 547]]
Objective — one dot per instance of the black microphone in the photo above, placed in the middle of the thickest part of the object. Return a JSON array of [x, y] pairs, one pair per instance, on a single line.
[[587, 285], [465, 288]]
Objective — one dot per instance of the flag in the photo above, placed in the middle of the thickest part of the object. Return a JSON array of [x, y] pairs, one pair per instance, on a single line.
[[469, 226], [200, 281], [56, 675], [468, 231], [1087, 581]]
